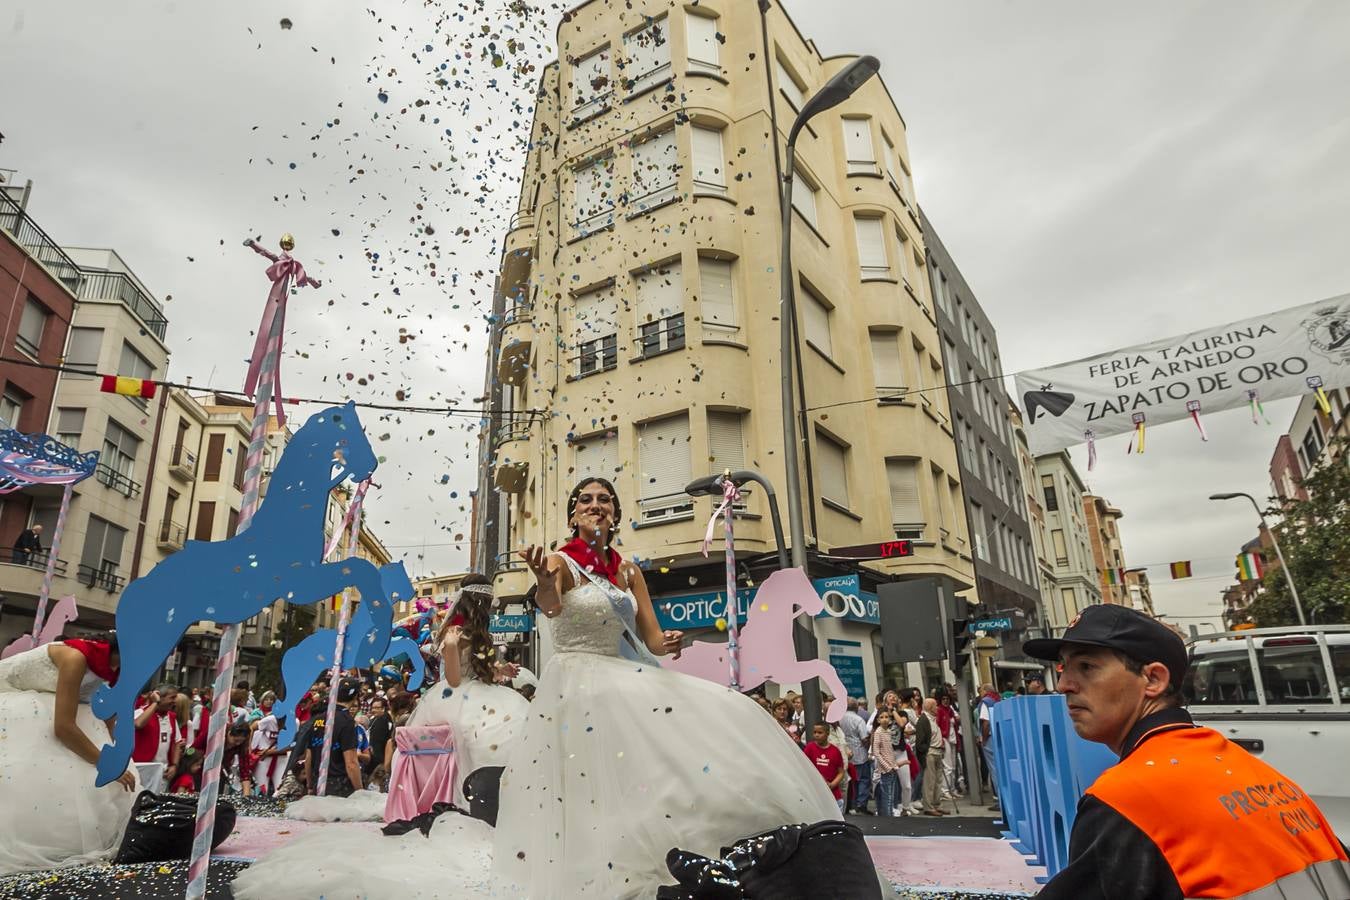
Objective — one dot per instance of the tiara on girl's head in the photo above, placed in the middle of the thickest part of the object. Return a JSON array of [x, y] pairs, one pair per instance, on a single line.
[[477, 589]]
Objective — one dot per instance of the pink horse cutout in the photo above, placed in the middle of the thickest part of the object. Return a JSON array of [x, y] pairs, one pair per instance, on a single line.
[[766, 649], [61, 615]]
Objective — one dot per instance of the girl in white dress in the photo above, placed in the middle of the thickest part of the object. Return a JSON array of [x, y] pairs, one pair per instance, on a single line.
[[485, 717], [50, 812], [621, 760]]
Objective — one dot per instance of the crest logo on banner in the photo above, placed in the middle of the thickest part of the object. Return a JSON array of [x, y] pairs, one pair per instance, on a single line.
[[1267, 357]]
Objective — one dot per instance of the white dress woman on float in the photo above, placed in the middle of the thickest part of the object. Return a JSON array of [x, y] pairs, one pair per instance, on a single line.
[[619, 761], [51, 814]]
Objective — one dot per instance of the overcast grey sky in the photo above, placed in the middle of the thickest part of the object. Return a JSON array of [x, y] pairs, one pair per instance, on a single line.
[[1104, 174]]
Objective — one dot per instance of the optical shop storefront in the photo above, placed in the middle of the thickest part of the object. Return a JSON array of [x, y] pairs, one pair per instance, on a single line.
[[847, 631]]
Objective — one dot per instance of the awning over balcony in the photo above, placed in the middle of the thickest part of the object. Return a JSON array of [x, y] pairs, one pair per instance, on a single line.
[[513, 364], [512, 477]]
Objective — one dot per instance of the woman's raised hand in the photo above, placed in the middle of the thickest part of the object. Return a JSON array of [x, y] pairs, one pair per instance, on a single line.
[[450, 640], [536, 559]]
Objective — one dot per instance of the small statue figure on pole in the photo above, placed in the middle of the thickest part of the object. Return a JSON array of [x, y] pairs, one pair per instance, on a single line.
[[284, 271]]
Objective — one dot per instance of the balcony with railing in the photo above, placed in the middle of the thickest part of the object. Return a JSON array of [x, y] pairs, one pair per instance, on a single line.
[[27, 234], [120, 287], [171, 535], [517, 430], [183, 463], [114, 479], [104, 577], [32, 559]]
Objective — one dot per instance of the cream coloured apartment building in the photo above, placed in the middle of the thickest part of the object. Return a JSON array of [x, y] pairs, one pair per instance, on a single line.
[[639, 293]]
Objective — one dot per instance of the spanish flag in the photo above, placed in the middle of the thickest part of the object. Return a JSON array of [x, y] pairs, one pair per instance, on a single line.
[[132, 387], [1250, 567], [1181, 569]]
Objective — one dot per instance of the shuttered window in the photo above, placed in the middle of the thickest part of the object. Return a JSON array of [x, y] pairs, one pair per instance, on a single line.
[[595, 316], [804, 198], [816, 320], [240, 465], [886, 368], [598, 456], [119, 448], [709, 160], [833, 469], [717, 299], [906, 505], [660, 308], [32, 324], [663, 463], [726, 441], [788, 85], [103, 543], [704, 48], [83, 352], [206, 520], [69, 426], [655, 167], [871, 247], [858, 148], [591, 86], [215, 449], [647, 56], [593, 186]]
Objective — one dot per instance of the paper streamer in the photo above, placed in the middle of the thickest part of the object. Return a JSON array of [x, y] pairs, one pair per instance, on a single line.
[[1254, 398], [1323, 402], [1091, 438], [353, 536], [1193, 407], [1137, 439]]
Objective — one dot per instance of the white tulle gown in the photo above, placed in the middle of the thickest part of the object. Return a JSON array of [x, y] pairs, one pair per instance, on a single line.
[[618, 762], [50, 812], [485, 720]]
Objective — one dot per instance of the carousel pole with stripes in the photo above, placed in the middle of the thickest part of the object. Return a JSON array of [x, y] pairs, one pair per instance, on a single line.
[[229, 640], [45, 593], [730, 496], [344, 616]]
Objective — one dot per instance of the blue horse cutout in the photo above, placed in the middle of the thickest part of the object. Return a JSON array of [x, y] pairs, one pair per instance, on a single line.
[[278, 557], [314, 655]]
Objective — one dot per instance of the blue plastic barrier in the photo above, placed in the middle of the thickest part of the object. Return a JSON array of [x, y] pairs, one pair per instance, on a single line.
[[1043, 769]]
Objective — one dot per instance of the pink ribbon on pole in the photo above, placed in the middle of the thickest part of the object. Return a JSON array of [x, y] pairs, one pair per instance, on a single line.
[[1193, 407], [730, 496], [284, 270]]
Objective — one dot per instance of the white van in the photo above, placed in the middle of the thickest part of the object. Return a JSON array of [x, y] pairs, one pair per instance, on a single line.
[[1284, 695]]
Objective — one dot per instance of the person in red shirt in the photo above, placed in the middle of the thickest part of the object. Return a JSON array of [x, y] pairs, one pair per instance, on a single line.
[[158, 738], [827, 759]]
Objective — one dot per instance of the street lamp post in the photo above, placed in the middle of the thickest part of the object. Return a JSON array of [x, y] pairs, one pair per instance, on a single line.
[[836, 91], [1284, 567]]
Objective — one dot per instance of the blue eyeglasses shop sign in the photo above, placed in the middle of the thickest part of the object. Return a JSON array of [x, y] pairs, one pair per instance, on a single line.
[[843, 596]]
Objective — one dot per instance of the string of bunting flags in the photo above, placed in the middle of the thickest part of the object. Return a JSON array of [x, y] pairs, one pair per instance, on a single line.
[[1251, 566]]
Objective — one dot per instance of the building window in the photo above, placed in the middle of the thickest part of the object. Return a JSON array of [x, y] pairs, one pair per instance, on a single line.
[[1061, 547], [717, 298], [860, 153], [939, 481], [790, 86], [709, 160], [647, 57], [11, 408], [804, 197], [84, 349], [902, 475], [833, 469], [1069, 601], [32, 324], [240, 465], [206, 520], [905, 269], [132, 365], [1313, 444], [663, 458], [69, 426], [704, 44], [102, 553], [887, 374], [893, 168], [1051, 498], [816, 321], [591, 87], [660, 309], [598, 456], [215, 453], [726, 444], [119, 449], [593, 185], [655, 171], [921, 372], [871, 236], [981, 534], [596, 330], [231, 523]]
